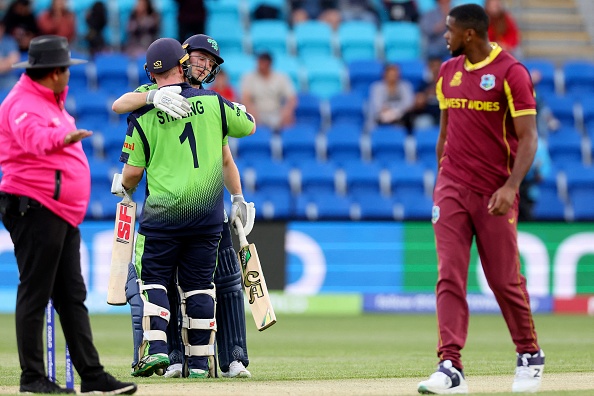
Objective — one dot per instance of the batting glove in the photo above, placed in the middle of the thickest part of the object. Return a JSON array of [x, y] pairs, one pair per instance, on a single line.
[[245, 211], [170, 101], [118, 189]]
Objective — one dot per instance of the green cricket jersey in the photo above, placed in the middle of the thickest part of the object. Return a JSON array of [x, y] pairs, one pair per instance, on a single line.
[[183, 161]]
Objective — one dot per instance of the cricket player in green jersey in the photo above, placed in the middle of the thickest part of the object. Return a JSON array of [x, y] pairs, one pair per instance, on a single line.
[[182, 218]]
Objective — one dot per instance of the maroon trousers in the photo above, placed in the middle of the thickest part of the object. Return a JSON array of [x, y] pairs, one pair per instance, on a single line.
[[459, 215]]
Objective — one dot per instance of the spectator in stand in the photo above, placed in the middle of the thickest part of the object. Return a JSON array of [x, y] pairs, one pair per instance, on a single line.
[[96, 19], [9, 54], [402, 10], [58, 20], [191, 18], [143, 27], [223, 87], [502, 27], [433, 27], [322, 10], [269, 95], [426, 108], [390, 98], [20, 23]]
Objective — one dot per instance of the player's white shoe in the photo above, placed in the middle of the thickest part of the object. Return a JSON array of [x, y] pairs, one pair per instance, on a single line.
[[529, 372], [237, 370], [173, 371], [447, 380]]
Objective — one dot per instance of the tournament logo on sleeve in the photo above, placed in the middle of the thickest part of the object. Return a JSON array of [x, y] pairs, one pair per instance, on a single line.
[[435, 214], [487, 81]]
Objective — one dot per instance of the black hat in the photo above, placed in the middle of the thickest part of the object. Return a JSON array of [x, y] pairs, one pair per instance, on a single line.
[[164, 54], [48, 51], [202, 42]]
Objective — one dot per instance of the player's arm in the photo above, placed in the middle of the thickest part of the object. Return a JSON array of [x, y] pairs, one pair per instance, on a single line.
[[230, 172], [167, 99], [443, 120], [131, 176], [129, 102]]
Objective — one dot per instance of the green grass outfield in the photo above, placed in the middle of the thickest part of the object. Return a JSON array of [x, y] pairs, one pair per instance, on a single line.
[[306, 348]]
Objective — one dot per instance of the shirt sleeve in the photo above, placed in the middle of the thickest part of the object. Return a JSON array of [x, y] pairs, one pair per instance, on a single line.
[[239, 123], [519, 91], [146, 88], [133, 150]]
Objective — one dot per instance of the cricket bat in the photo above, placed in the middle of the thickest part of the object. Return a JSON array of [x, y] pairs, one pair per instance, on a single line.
[[253, 281], [121, 253]]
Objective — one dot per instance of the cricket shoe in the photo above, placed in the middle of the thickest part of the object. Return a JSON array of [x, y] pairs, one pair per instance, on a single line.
[[106, 384], [149, 364], [447, 380], [529, 372], [173, 371], [198, 373], [43, 385], [237, 370]]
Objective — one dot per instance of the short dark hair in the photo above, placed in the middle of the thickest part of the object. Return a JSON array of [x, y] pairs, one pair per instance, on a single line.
[[38, 74], [472, 16], [265, 56]]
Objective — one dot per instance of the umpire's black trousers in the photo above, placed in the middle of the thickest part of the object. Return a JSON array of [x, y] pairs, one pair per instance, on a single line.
[[47, 253]]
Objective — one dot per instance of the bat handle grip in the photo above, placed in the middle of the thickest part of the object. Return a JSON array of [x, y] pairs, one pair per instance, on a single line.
[[240, 233]]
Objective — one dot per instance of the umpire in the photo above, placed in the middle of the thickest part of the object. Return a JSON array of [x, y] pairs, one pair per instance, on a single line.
[[44, 195]]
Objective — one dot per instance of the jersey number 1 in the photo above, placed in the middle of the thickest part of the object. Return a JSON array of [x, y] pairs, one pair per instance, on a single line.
[[188, 133]]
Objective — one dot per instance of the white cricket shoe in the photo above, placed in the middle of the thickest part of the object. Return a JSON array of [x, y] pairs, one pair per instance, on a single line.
[[529, 372], [447, 380], [237, 370], [173, 371]]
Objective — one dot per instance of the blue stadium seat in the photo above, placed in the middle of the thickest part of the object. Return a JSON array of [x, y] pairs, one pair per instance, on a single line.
[[426, 5], [357, 40], [587, 103], [321, 206], [565, 147], [402, 41], [325, 76], [220, 11], [581, 202], [580, 179], [102, 172], [224, 29], [298, 143], [102, 204], [113, 136], [343, 143], [308, 110], [548, 207], [93, 107], [313, 38], [113, 72], [546, 68], [426, 140], [362, 73], [256, 147], [168, 10], [374, 206], [387, 144], [347, 108], [456, 3], [269, 35], [563, 108], [289, 65], [416, 206], [362, 177], [317, 177], [407, 179], [276, 206], [413, 70], [272, 176], [579, 76], [236, 65]]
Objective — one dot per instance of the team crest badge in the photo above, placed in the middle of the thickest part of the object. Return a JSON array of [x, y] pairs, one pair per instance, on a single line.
[[456, 80], [487, 81], [435, 214]]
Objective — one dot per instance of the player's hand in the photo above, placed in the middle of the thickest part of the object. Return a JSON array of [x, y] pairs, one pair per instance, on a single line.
[[501, 201], [169, 100], [239, 105], [245, 211], [118, 189], [77, 136]]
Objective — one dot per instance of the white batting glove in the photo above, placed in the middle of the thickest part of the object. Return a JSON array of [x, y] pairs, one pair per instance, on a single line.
[[118, 189], [245, 211], [242, 107], [170, 101]]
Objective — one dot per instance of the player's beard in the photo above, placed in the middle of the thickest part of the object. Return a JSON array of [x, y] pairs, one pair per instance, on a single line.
[[458, 51]]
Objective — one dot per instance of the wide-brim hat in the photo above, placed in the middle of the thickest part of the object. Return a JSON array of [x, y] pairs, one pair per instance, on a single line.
[[47, 52]]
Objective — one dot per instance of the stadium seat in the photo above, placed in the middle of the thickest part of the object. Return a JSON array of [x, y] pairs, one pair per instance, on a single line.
[[313, 38], [93, 107], [456, 3], [581, 203], [236, 65], [580, 179], [325, 76], [548, 207], [275, 206], [256, 147], [374, 206], [317, 177], [220, 11], [413, 70], [168, 10], [563, 108], [387, 144], [546, 69], [113, 73], [362, 178], [343, 143], [357, 40], [363, 73], [408, 179], [347, 108], [288, 64], [231, 41], [102, 204], [402, 41], [308, 110], [425, 142], [269, 35], [578, 76], [271, 176], [416, 206], [565, 147], [321, 206], [298, 143]]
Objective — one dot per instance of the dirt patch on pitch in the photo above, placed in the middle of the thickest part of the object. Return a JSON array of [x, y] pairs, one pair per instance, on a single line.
[[383, 386]]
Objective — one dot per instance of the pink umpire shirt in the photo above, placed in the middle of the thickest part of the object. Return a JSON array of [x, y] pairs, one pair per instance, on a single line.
[[34, 160]]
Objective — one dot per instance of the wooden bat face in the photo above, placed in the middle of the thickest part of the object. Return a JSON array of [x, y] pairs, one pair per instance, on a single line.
[[121, 254]]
